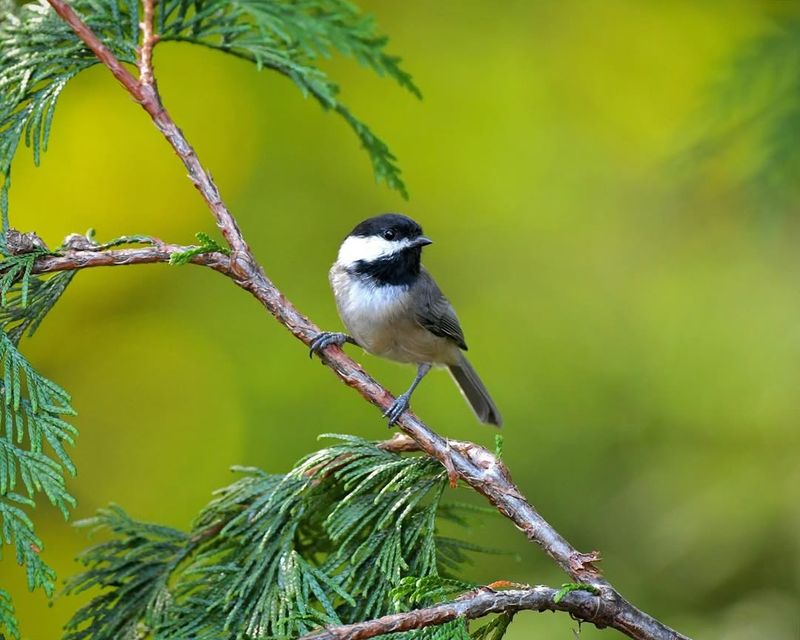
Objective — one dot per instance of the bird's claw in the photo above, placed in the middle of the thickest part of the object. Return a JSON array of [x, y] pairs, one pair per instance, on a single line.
[[325, 339], [397, 409]]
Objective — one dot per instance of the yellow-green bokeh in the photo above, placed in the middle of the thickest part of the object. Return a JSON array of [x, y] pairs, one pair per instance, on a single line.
[[641, 339]]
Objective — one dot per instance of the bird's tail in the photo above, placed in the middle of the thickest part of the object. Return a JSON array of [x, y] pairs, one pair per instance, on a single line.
[[476, 394]]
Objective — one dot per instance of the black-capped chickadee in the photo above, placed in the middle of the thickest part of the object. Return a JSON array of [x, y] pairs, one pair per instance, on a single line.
[[393, 308]]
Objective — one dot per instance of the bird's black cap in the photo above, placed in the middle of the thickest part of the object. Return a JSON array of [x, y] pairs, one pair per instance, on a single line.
[[394, 224]]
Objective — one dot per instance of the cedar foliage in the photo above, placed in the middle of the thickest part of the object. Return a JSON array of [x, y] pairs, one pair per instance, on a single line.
[[349, 534]]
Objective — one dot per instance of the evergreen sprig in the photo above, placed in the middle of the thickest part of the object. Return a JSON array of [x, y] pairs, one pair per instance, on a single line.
[[569, 587], [412, 592], [346, 535], [139, 561], [33, 432], [17, 531], [33, 409], [25, 298], [33, 435], [8, 620], [207, 245]]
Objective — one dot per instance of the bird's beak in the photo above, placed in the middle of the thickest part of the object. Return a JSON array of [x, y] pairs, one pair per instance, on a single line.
[[422, 241]]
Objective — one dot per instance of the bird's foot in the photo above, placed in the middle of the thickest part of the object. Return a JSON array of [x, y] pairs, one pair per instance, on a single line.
[[325, 339], [397, 409]]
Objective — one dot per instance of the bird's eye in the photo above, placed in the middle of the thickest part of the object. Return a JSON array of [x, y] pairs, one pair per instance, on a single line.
[[389, 234]]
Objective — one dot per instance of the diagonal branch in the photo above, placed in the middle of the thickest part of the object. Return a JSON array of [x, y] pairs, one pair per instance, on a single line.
[[477, 604], [471, 463]]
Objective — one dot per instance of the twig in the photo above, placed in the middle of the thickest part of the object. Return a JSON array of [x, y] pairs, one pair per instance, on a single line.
[[473, 464], [149, 40], [582, 605], [72, 260]]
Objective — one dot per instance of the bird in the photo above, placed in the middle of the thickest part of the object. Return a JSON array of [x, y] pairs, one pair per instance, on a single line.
[[393, 308]]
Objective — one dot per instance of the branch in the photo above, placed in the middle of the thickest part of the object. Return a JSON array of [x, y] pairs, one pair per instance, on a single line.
[[471, 463], [476, 604], [72, 260]]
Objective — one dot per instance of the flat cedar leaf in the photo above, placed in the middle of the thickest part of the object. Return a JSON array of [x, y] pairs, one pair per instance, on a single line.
[[33, 457], [8, 619], [16, 529]]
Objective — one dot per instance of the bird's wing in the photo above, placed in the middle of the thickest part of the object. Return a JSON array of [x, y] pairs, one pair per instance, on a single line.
[[435, 313]]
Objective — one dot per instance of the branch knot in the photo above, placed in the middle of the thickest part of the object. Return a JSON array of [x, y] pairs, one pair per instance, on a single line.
[[19, 243]]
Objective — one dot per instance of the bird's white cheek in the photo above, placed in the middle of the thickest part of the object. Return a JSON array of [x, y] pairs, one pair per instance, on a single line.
[[367, 249]]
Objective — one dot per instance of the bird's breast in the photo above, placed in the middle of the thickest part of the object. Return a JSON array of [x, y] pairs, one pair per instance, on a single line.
[[367, 309], [382, 320]]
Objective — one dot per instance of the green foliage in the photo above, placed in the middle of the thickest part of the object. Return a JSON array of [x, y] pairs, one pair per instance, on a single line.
[[42, 295], [33, 432], [17, 269], [138, 563], [32, 453], [755, 104], [569, 587], [347, 535], [498, 445], [17, 531], [33, 408], [39, 55], [8, 621], [291, 38], [413, 592], [207, 245], [453, 630], [495, 629], [27, 299]]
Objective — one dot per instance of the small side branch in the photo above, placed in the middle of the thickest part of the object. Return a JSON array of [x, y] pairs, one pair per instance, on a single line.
[[477, 604], [72, 260]]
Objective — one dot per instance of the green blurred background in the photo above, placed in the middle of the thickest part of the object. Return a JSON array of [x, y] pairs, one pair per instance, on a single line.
[[633, 307]]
